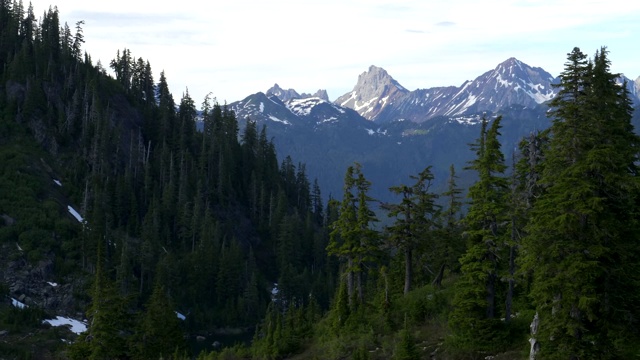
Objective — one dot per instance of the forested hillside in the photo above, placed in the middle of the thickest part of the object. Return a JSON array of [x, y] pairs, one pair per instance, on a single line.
[[203, 223], [165, 239]]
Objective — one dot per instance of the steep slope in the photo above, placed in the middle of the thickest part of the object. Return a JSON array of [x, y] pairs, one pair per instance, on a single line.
[[378, 97], [374, 91], [299, 112]]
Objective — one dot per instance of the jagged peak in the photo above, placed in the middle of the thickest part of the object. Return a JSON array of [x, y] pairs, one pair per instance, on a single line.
[[375, 72], [282, 94], [322, 94], [510, 65]]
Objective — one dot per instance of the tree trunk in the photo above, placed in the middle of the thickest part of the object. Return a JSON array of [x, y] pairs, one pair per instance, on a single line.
[[491, 295], [350, 280], [535, 346], [512, 270], [360, 288], [438, 279], [408, 270], [509, 300]]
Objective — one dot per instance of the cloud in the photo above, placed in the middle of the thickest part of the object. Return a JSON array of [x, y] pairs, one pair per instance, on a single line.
[[247, 45], [445, 23]]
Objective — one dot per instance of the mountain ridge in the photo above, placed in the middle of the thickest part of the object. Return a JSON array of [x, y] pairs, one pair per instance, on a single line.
[[380, 98], [510, 82]]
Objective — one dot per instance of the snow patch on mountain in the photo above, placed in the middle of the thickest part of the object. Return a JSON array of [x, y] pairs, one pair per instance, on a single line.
[[303, 107], [467, 120], [374, 91], [273, 118], [377, 96]]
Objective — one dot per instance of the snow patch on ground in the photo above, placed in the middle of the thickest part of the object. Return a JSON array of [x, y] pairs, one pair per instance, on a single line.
[[52, 283], [75, 214], [261, 107], [57, 182], [274, 292], [18, 304], [74, 325]]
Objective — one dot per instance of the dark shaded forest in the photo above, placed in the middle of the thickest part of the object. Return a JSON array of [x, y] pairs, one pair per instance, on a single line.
[[186, 234]]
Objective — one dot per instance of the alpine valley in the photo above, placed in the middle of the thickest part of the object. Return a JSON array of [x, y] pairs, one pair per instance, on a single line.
[[394, 133], [135, 226]]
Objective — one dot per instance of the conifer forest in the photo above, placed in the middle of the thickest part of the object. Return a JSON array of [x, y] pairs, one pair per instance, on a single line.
[[175, 241]]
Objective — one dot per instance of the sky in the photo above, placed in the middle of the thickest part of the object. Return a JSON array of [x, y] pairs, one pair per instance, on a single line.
[[236, 48]]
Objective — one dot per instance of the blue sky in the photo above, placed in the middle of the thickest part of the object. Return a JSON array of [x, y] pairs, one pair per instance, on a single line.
[[236, 48]]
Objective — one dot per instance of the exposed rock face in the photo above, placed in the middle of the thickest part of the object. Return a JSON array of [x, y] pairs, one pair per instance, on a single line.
[[374, 91], [33, 284], [281, 93], [321, 94], [290, 94], [377, 96]]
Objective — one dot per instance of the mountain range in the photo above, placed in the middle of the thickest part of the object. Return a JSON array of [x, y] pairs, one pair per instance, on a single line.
[[394, 132]]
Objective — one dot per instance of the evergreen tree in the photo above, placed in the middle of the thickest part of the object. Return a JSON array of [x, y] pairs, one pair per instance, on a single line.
[[159, 334], [415, 219], [107, 321], [449, 246], [474, 318], [352, 237], [406, 348], [581, 245]]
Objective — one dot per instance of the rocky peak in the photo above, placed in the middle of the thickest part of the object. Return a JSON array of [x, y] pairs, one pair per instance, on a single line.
[[290, 94], [511, 82], [282, 94], [374, 90], [322, 94]]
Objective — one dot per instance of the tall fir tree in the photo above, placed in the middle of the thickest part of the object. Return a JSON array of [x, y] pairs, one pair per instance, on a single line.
[[159, 334], [582, 238], [415, 219], [475, 318], [352, 237]]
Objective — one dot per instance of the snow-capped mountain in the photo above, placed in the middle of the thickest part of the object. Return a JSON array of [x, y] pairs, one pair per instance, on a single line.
[[378, 97], [375, 91], [308, 111]]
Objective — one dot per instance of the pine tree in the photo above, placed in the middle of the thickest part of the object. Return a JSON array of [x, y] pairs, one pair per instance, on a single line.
[[474, 319], [352, 238], [415, 219], [159, 334], [406, 348], [108, 320], [581, 246], [449, 246]]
